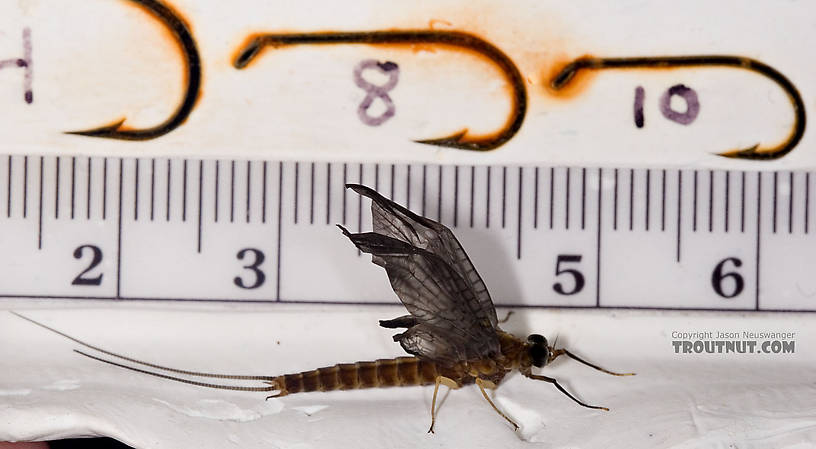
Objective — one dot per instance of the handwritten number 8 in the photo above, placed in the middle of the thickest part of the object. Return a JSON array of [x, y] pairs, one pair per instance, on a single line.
[[254, 266], [391, 69]]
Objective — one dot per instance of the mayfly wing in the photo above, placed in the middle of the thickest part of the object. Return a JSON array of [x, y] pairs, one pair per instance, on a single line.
[[393, 220], [447, 327]]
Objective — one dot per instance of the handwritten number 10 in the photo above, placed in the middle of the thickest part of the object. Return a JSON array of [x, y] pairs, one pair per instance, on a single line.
[[686, 93]]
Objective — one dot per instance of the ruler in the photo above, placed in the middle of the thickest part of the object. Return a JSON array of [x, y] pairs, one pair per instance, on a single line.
[[263, 230]]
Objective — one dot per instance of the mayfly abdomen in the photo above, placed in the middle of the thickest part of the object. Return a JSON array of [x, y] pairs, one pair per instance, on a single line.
[[401, 371]]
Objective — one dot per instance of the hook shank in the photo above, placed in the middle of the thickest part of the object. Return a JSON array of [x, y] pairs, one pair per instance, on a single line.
[[458, 39]]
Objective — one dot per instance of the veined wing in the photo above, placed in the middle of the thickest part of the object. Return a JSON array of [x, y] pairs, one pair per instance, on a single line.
[[392, 220], [448, 327]]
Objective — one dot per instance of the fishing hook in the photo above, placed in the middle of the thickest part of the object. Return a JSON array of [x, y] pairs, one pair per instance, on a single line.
[[181, 32], [251, 49], [562, 78]]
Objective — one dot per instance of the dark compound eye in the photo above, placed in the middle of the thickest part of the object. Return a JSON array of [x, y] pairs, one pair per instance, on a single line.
[[539, 355], [536, 339]]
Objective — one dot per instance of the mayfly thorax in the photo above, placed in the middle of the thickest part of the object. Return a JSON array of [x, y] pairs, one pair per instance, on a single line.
[[451, 331]]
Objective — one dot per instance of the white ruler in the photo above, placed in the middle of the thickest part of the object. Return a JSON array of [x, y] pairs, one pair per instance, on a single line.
[[237, 230]]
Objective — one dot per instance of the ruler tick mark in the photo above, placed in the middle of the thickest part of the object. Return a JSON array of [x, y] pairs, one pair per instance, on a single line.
[[56, 188], [184, 191], [566, 198], [552, 196], [311, 190], [774, 202], [88, 187], [104, 188], [8, 189], [297, 191], [280, 230], [217, 183], [248, 189], [25, 186], [360, 201], [455, 196], [487, 198], [648, 198], [615, 203], [504, 196], [200, 200], [758, 233], [408, 186], [807, 202], [727, 198], [679, 210], [472, 192], [663, 200], [535, 199], [263, 192], [152, 188], [631, 199], [711, 201], [328, 192], [742, 203], [73, 185], [694, 205], [136, 189], [790, 202], [343, 190], [392, 179], [438, 193], [598, 241], [583, 198], [119, 232], [167, 191], [40, 214], [232, 191], [519, 206]]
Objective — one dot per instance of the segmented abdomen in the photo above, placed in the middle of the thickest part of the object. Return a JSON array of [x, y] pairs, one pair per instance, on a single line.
[[401, 371]]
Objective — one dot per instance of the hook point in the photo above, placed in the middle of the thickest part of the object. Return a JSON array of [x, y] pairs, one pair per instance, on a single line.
[[102, 131], [459, 141], [749, 153]]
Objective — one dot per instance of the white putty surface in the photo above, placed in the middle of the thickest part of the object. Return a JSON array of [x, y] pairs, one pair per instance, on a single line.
[[675, 401]]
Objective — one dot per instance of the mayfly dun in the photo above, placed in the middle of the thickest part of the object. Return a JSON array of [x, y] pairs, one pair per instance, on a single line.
[[452, 331]]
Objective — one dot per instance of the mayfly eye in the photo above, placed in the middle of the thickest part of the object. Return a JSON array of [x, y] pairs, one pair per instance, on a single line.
[[536, 339]]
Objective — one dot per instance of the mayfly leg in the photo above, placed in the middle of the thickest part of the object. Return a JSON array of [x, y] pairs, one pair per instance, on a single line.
[[482, 384], [450, 383], [557, 352], [562, 390]]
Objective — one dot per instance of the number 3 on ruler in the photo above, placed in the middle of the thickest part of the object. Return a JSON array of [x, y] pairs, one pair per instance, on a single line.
[[254, 266]]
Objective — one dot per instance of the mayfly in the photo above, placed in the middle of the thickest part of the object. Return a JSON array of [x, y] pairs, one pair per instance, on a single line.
[[452, 331]]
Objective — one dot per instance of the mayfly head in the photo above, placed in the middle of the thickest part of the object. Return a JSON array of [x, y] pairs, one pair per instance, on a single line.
[[538, 350]]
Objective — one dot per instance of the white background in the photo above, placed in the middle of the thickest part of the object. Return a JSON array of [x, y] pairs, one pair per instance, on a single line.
[[97, 61]]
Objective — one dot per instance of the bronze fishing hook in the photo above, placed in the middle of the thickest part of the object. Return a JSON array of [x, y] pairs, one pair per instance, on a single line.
[[181, 32], [251, 49], [567, 74]]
